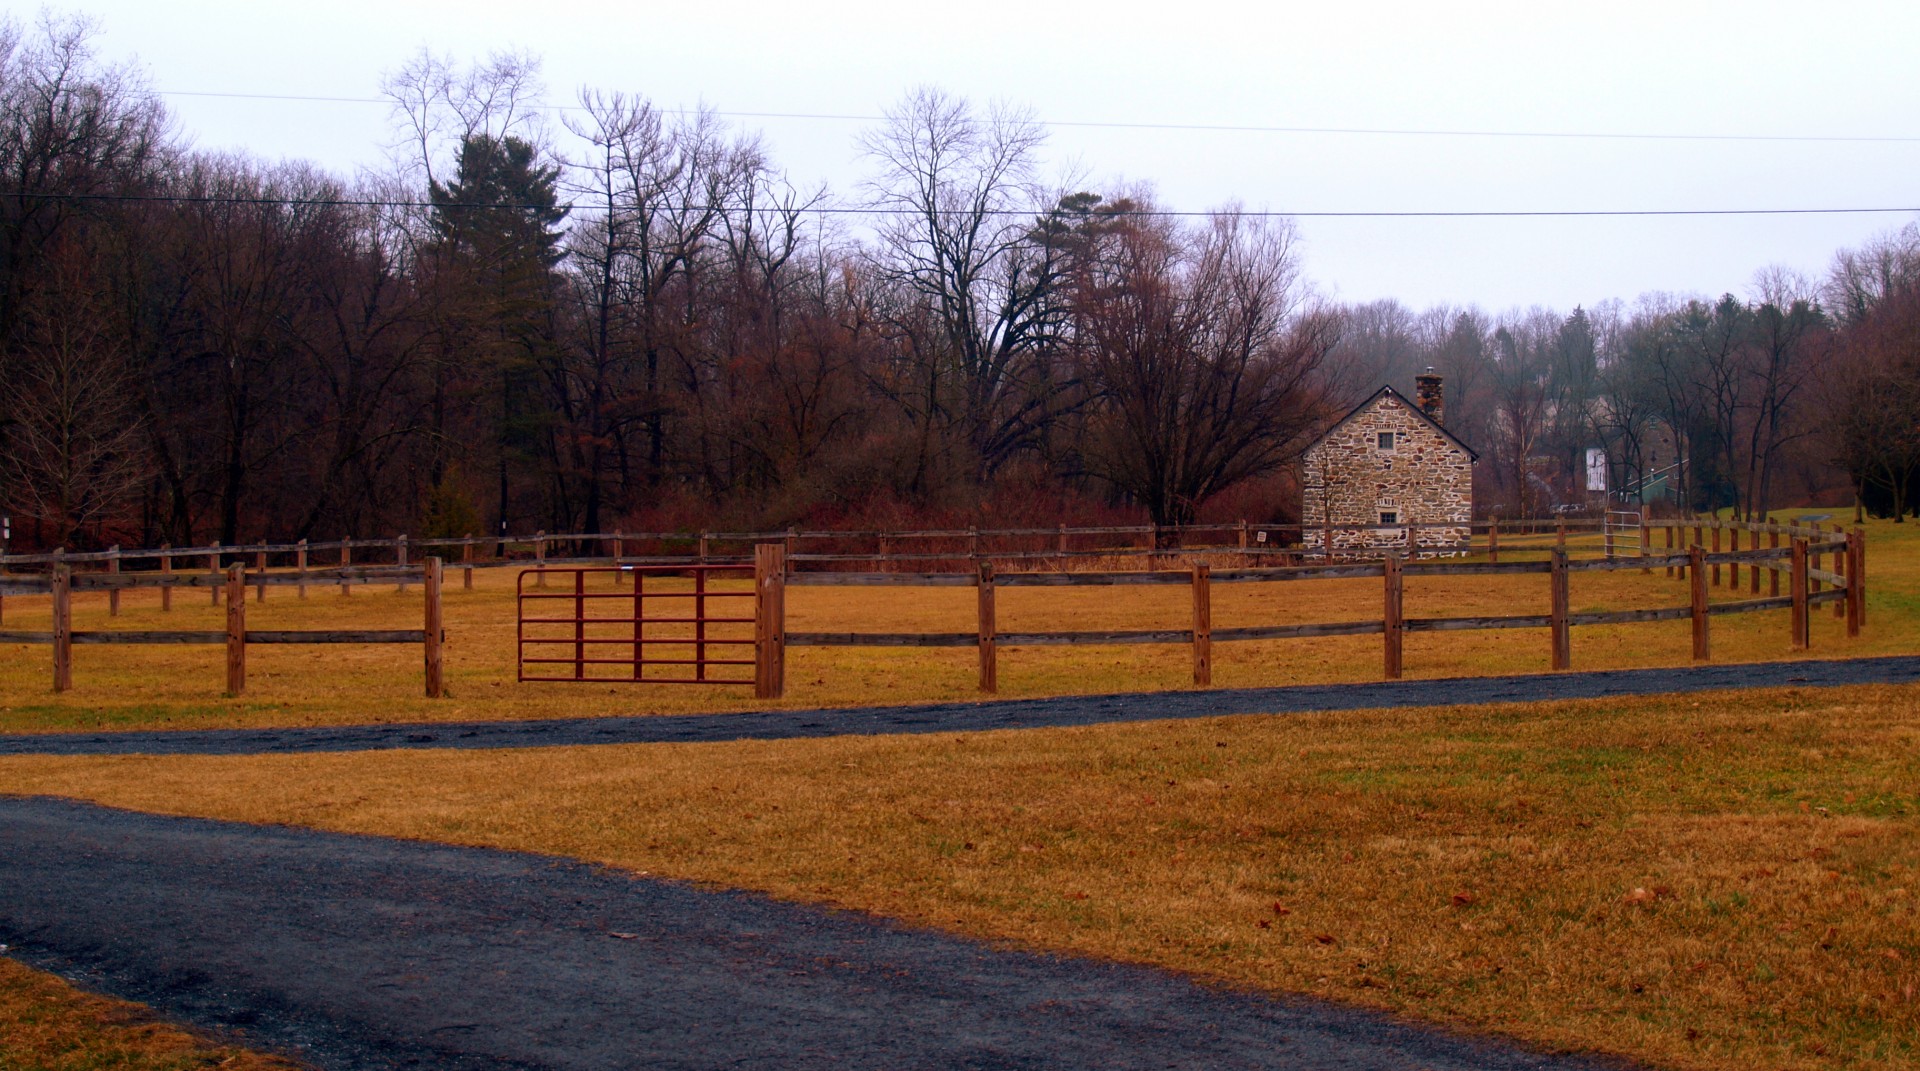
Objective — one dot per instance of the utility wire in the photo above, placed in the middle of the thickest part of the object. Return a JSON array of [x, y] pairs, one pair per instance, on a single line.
[[1574, 135], [871, 210]]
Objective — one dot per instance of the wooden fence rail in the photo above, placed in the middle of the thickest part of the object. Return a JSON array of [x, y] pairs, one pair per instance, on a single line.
[[237, 637]]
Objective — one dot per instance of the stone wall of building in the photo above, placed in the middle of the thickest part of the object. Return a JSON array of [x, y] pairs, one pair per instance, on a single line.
[[1425, 480]]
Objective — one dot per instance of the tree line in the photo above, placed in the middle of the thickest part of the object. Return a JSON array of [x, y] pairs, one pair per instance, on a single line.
[[636, 319]]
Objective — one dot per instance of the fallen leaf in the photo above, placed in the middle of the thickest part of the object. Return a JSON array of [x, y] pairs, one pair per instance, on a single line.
[[1461, 899], [1323, 938], [1638, 896]]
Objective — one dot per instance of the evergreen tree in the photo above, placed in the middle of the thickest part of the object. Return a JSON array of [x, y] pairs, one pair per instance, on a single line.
[[497, 228]]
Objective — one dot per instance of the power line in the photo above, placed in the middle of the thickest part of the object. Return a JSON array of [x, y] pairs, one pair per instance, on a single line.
[[1563, 135], [874, 210]]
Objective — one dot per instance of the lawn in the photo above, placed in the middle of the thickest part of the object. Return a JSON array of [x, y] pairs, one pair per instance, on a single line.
[[179, 687], [1721, 881], [47, 1025]]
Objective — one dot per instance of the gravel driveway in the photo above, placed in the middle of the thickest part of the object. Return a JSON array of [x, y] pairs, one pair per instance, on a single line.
[[965, 717], [362, 952]]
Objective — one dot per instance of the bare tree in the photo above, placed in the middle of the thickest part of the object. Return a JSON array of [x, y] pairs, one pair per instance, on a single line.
[[964, 194], [1522, 405], [1203, 352], [75, 447]]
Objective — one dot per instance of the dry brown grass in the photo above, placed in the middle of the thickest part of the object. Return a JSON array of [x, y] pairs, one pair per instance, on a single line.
[[48, 1025], [1719, 881], [178, 687]]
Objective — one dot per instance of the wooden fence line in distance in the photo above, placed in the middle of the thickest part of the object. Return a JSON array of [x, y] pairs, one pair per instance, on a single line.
[[1142, 540], [236, 637]]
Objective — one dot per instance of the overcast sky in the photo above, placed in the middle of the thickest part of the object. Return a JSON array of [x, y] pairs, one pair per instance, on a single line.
[[1730, 70]]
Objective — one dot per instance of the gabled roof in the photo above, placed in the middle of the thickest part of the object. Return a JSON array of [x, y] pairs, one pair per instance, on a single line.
[[1416, 410]]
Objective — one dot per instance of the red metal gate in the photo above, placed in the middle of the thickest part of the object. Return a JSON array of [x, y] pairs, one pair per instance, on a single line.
[[620, 640]]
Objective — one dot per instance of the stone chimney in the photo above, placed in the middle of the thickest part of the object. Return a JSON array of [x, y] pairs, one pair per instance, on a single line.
[[1427, 395]]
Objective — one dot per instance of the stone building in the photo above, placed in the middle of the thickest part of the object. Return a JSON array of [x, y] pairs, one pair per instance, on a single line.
[[1392, 466]]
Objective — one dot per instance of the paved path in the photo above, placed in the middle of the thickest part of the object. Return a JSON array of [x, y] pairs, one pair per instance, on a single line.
[[362, 952], [961, 717]]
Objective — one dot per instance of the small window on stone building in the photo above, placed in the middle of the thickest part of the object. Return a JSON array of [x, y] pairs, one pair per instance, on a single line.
[[1386, 440], [1388, 516]]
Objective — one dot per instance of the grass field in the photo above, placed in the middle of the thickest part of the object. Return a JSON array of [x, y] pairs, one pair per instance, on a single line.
[[47, 1025], [179, 687], [1722, 881], [1714, 882]]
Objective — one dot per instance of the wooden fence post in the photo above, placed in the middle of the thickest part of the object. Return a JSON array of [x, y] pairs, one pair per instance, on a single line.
[[166, 573], [1392, 623], [236, 630], [1773, 570], [1859, 573], [540, 559], [113, 594], [400, 557], [1560, 532], [1646, 541], [1841, 563], [1716, 550], [787, 552], [1243, 534], [769, 620], [1697, 577], [213, 571], [1753, 568], [1558, 605], [300, 563], [346, 559], [1856, 587], [1669, 549], [1493, 540], [1202, 625], [1813, 560], [989, 645], [466, 561], [435, 667], [62, 588], [1801, 619], [260, 574]]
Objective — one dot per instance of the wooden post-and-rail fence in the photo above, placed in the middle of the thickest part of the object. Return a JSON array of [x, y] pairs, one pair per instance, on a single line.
[[903, 550], [236, 637], [774, 570], [1847, 590]]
